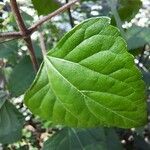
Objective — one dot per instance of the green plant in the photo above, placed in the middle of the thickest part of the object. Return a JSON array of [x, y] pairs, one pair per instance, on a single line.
[[89, 79], [87, 89]]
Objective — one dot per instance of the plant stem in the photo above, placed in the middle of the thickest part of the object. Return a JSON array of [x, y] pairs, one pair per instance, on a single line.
[[10, 35], [70, 16], [32, 53], [42, 43], [24, 32], [18, 18], [34, 27], [112, 4]]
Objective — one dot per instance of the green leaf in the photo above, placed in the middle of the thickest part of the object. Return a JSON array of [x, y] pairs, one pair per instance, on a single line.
[[87, 0], [87, 139], [28, 19], [140, 143], [21, 77], [146, 77], [127, 9], [89, 79], [137, 37], [3, 97], [11, 123], [7, 49], [45, 7]]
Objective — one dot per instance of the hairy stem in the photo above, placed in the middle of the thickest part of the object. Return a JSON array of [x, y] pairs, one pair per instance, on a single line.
[[10, 35], [34, 27], [24, 32]]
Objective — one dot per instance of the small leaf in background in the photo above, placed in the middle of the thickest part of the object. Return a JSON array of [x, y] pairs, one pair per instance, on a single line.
[[137, 37], [28, 19], [89, 79], [140, 143], [44, 7], [3, 97], [37, 49], [21, 77], [88, 139], [7, 49], [11, 123], [146, 76], [2, 79], [7, 72], [127, 9]]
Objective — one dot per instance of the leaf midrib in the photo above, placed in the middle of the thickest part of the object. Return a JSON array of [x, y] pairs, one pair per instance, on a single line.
[[108, 109], [66, 109], [94, 71], [78, 90]]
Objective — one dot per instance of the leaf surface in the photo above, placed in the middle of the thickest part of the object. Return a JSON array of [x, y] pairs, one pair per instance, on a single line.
[[44, 7], [84, 139], [127, 9], [7, 49], [21, 77], [137, 37], [89, 79], [11, 123]]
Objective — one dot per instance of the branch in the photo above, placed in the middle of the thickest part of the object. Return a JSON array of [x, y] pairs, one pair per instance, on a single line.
[[18, 17], [24, 32], [27, 32], [35, 26], [32, 53], [10, 35], [70, 16]]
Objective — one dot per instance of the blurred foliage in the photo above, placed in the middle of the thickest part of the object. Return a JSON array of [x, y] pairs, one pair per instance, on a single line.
[[18, 83], [79, 139], [16, 74], [127, 9], [46, 6], [11, 122]]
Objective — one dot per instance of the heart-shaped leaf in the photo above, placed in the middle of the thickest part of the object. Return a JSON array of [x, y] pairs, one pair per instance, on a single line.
[[89, 79]]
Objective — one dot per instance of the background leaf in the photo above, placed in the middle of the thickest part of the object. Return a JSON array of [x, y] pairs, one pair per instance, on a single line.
[[127, 9], [11, 123], [3, 97], [21, 77], [137, 37], [87, 139], [7, 49], [44, 7]]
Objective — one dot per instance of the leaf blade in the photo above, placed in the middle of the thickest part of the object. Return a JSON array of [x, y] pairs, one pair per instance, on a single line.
[[90, 81], [46, 6], [70, 138], [11, 123]]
